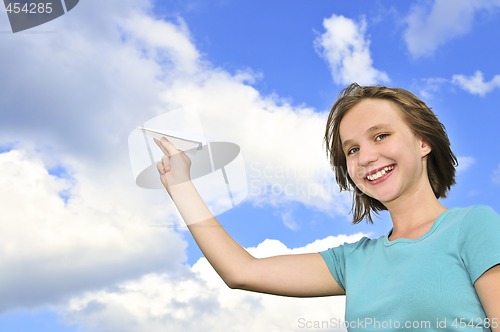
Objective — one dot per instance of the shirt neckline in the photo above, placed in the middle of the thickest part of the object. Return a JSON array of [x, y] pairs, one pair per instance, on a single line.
[[435, 225]]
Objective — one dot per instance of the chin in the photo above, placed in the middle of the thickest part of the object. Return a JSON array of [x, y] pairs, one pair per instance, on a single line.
[[383, 198], [383, 195]]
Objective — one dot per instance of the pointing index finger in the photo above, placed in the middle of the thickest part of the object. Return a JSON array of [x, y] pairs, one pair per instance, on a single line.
[[166, 146]]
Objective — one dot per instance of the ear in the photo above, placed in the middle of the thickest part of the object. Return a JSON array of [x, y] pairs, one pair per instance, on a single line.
[[425, 147]]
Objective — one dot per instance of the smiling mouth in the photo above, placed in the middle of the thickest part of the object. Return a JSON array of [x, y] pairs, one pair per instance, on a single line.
[[380, 173]]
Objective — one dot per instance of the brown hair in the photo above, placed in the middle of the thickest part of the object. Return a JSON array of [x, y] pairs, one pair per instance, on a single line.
[[441, 162]]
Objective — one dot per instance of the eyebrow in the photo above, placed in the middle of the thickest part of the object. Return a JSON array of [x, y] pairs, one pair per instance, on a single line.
[[370, 130]]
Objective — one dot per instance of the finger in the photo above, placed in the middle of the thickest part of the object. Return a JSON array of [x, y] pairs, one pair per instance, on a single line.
[[160, 167], [166, 163], [160, 145], [170, 148]]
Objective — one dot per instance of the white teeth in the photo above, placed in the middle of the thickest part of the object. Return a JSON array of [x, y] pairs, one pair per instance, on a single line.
[[380, 173]]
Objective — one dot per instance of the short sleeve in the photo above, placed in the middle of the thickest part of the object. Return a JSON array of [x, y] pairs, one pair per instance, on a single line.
[[479, 240], [335, 259]]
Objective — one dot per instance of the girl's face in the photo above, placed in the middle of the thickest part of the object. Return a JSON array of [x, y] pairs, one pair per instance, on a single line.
[[384, 157]]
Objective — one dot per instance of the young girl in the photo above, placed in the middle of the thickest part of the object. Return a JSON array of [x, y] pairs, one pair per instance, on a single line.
[[436, 269]]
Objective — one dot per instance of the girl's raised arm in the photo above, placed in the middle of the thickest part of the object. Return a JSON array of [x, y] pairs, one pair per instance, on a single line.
[[303, 275]]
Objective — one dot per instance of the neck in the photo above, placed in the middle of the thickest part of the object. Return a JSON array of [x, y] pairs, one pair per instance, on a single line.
[[414, 214]]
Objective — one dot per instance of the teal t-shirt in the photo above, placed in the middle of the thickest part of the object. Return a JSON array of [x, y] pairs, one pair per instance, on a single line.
[[425, 284]]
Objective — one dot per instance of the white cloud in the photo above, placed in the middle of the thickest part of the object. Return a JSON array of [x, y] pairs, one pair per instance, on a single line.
[[347, 50], [199, 299], [431, 24], [280, 143], [429, 87], [89, 85], [464, 163], [275, 247], [475, 84], [72, 102], [52, 249], [288, 220], [164, 41]]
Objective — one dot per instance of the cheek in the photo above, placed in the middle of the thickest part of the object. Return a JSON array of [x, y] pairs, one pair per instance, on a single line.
[[356, 174], [353, 170], [408, 154]]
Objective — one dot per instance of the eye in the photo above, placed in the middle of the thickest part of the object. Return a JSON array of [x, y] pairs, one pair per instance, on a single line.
[[352, 150], [381, 137]]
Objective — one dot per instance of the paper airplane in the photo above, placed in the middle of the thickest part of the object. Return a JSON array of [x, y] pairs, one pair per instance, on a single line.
[[217, 167], [180, 143]]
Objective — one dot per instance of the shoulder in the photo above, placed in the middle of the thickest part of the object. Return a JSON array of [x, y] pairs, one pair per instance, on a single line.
[[348, 248], [477, 211], [479, 239], [462, 224], [478, 224], [471, 216], [476, 216]]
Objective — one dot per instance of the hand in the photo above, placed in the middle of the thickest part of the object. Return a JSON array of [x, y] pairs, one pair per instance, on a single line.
[[174, 166]]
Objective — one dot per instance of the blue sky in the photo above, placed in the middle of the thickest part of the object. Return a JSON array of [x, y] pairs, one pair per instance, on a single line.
[[77, 238]]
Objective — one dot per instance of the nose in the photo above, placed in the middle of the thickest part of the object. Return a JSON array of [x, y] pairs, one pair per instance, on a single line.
[[367, 155]]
